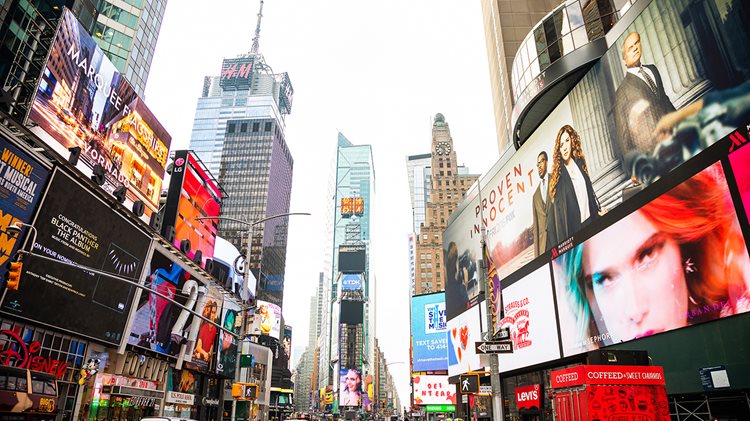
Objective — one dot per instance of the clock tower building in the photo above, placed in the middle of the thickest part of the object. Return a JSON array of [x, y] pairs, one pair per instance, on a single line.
[[448, 182]]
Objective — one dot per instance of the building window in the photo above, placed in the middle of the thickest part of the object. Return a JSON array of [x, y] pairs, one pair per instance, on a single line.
[[256, 127], [268, 126]]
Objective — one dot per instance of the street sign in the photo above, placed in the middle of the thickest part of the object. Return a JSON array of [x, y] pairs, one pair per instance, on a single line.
[[440, 408], [494, 347], [485, 390], [503, 333], [469, 384]]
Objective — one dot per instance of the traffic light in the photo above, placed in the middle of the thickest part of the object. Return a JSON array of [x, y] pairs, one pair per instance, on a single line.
[[13, 275]]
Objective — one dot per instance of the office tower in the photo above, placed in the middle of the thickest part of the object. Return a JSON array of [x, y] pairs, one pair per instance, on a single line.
[[127, 31], [418, 172], [448, 183], [348, 337], [506, 24]]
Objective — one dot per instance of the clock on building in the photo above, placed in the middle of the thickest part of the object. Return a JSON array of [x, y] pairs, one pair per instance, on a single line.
[[443, 148]]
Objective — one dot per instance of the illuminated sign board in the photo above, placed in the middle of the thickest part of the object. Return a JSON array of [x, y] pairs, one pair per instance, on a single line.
[[352, 206], [237, 73]]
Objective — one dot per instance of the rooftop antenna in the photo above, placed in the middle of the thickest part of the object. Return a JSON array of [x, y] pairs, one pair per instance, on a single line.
[[256, 38]]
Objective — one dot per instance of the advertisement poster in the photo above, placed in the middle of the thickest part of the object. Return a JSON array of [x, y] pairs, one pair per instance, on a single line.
[[463, 332], [267, 320], [647, 106], [84, 231], [429, 332], [205, 342], [433, 390], [83, 101], [680, 260], [350, 387], [193, 193], [22, 182], [530, 317], [287, 344], [159, 324], [227, 261], [740, 160], [226, 354]]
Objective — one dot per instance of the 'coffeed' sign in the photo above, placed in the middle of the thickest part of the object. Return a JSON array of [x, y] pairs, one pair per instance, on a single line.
[[604, 374]]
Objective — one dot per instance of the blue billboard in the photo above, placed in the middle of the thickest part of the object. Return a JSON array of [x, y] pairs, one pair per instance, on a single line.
[[351, 281], [429, 332]]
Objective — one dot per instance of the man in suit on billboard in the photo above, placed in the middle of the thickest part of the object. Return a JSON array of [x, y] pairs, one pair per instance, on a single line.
[[640, 100], [540, 202]]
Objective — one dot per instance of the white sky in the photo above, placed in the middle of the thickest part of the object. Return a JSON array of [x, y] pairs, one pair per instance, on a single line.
[[377, 71]]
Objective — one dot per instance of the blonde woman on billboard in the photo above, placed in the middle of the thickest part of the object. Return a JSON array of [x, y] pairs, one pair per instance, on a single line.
[[573, 203]]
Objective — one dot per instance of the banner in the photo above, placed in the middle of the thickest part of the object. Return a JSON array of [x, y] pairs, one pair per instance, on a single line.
[[530, 317], [83, 101], [22, 180], [433, 390], [678, 261], [429, 332], [83, 231]]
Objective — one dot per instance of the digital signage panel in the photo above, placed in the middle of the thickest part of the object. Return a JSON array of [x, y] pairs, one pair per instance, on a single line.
[[82, 231], [351, 281], [463, 332], [740, 160], [193, 193], [237, 73], [228, 270], [433, 390], [353, 261], [677, 261], [429, 332], [84, 102], [350, 387], [628, 123], [22, 180], [267, 320], [226, 351], [204, 348], [529, 315]]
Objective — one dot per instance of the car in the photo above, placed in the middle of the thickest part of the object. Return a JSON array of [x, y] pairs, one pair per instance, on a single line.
[[66, 117]]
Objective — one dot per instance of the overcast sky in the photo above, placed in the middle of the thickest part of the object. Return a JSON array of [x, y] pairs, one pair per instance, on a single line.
[[376, 71]]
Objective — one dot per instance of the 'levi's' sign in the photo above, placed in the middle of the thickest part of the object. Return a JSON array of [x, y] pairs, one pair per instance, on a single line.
[[528, 397]]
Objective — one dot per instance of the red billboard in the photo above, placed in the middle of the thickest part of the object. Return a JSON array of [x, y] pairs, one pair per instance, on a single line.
[[193, 193], [528, 397]]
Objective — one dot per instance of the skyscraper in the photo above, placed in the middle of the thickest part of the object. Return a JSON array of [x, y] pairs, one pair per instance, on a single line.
[[447, 183], [418, 173], [127, 31], [348, 337], [506, 24]]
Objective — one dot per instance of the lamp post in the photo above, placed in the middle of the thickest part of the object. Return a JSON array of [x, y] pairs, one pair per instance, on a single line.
[[17, 228], [246, 280]]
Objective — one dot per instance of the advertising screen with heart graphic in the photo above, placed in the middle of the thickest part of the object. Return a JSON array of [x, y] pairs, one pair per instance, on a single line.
[[463, 332]]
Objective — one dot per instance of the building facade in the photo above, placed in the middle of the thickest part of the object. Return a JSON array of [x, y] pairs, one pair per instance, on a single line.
[[447, 185]]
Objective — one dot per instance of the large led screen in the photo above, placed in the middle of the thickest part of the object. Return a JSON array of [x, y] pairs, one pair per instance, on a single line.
[[226, 351], [83, 231], [204, 348], [23, 180], [350, 387], [463, 332], [227, 261], [678, 261], [193, 193], [267, 320], [461, 249], [429, 332], [529, 315], [353, 261], [650, 103], [433, 390], [740, 160], [83, 101], [286, 343], [351, 281], [159, 324]]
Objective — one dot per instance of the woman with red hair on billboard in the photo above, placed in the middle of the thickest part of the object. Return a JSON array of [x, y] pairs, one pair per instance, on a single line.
[[572, 200], [679, 260]]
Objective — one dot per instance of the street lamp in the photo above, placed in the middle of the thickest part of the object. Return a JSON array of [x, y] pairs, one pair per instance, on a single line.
[[16, 229], [246, 278]]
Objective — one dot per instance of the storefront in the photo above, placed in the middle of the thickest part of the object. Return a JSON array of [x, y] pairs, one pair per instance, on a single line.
[[193, 395]]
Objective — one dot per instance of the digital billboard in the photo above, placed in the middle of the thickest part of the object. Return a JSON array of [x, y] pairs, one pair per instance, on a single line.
[[23, 180], [267, 320], [352, 312], [679, 260], [463, 332], [84, 102], [352, 260], [83, 231], [350, 387], [226, 351], [204, 347], [237, 73], [740, 161], [351, 281], [628, 123], [433, 390], [287, 344], [529, 315], [193, 193], [461, 249], [228, 270], [159, 325], [352, 206], [429, 332], [286, 93]]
